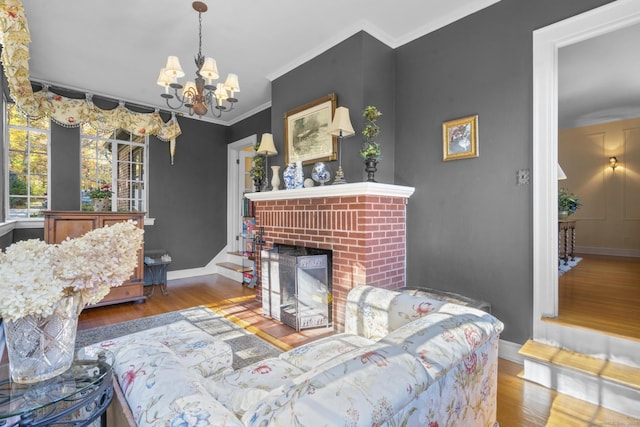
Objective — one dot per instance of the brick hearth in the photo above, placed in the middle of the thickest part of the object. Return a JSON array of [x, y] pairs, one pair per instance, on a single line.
[[363, 224]]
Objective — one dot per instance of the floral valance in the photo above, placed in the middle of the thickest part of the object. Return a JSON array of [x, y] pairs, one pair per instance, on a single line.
[[62, 110]]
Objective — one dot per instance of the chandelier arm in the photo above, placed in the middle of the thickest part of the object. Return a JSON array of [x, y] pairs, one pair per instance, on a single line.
[[172, 107]]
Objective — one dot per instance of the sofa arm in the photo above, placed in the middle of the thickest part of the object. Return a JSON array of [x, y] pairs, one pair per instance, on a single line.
[[374, 312]]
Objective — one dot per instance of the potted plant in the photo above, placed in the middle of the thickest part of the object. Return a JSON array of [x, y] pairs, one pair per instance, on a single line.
[[370, 150], [101, 197], [257, 168], [568, 203]]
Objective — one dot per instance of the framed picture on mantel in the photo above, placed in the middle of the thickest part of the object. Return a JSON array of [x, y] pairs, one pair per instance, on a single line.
[[460, 138], [305, 132]]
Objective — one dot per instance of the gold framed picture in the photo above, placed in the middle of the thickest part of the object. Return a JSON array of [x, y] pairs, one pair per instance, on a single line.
[[305, 132], [460, 138]]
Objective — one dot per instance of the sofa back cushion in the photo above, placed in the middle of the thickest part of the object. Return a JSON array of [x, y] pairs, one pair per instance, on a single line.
[[366, 387], [374, 312]]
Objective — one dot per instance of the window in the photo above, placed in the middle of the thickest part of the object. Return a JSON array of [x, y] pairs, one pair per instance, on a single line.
[[117, 159], [28, 164]]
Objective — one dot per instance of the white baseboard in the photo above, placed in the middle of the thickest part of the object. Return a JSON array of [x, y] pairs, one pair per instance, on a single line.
[[509, 351], [590, 250], [210, 268]]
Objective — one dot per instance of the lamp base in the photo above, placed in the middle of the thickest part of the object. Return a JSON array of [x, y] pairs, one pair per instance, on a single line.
[[339, 178]]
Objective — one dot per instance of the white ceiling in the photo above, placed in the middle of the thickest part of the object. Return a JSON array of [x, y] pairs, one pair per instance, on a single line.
[[116, 48], [599, 79]]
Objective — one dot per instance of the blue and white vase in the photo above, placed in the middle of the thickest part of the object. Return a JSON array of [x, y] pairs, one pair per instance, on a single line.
[[299, 177], [289, 177], [320, 173]]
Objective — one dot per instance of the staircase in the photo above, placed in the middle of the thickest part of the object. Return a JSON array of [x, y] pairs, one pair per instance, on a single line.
[[605, 383], [234, 269]]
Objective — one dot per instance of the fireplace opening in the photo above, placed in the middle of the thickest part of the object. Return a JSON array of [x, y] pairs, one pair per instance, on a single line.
[[297, 286]]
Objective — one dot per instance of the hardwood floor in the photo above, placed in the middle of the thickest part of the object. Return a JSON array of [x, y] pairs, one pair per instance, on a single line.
[[602, 293], [520, 403]]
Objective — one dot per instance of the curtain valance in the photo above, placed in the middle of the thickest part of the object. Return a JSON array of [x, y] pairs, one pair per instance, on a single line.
[[62, 110]]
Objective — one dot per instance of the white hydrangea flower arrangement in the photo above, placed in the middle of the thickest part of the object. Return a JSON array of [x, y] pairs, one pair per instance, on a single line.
[[34, 275]]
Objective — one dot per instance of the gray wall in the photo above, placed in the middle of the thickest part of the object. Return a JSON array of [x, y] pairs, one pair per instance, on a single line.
[[359, 71], [186, 198], [470, 225], [257, 124]]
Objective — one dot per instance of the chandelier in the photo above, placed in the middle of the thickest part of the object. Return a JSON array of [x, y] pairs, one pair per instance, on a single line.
[[198, 96]]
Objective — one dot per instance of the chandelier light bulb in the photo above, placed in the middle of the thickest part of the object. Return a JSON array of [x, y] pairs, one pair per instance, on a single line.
[[164, 80], [221, 94], [189, 92]]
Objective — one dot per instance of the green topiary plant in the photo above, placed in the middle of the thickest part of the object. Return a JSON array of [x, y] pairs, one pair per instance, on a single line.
[[370, 148]]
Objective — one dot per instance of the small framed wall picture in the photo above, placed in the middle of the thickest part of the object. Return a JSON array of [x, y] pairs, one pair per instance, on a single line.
[[460, 138]]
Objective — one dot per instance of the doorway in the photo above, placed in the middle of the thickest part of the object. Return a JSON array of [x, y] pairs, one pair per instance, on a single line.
[[238, 183], [546, 43]]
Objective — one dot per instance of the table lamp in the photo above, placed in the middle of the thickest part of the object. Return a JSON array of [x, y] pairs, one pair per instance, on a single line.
[[340, 127]]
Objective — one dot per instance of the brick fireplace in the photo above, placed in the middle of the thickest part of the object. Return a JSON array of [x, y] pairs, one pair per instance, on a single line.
[[363, 224]]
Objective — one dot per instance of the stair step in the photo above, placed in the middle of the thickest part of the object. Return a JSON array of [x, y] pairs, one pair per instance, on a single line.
[[606, 369], [235, 267]]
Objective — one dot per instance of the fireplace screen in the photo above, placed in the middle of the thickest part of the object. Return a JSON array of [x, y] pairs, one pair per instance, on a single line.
[[295, 287]]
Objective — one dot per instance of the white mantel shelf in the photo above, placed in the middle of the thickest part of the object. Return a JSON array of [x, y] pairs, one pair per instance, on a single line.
[[340, 190]]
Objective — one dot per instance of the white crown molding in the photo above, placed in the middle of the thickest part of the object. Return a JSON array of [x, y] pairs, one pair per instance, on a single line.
[[373, 30]]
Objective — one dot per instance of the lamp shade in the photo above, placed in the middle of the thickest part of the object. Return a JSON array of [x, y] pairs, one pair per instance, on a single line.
[[220, 93], [341, 124], [163, 79], [189, 90], [232, 83], [561, 174], [209, 69], [173, 68], [267, 147]]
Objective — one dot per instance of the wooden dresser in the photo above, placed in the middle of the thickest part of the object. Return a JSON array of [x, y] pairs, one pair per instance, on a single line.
[[58, 225]]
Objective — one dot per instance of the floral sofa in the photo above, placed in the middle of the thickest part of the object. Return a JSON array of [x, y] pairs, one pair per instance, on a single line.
[[403, 360]]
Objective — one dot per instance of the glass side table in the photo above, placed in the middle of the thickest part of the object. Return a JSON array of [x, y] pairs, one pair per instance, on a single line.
[[77, 397], [156, 264]]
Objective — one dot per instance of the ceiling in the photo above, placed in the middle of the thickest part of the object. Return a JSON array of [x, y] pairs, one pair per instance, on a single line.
[[115, 48], [599, 79]]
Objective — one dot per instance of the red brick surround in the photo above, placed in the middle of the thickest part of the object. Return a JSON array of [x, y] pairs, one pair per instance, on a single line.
[[364, 227]]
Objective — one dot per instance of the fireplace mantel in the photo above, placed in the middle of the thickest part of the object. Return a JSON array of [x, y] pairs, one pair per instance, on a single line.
[[341, 190]]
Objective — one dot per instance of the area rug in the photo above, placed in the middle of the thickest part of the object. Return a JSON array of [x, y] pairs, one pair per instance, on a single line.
[[564, 268], [247, 346]]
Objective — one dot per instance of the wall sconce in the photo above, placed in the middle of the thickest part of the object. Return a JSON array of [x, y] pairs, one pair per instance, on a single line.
[[613, 162]]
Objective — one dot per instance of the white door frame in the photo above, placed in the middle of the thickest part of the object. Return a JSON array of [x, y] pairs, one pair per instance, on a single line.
[[233, 187], [546, 43]]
